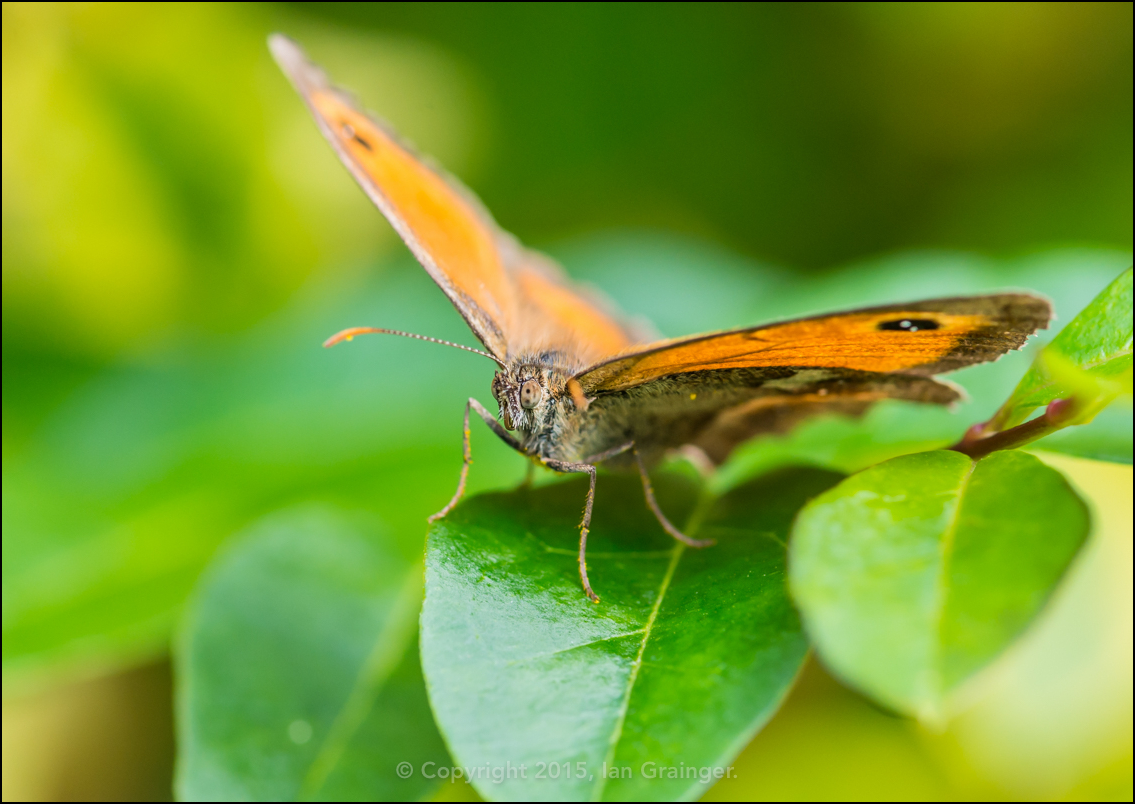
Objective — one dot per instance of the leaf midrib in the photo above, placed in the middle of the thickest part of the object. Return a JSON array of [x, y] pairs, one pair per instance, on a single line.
[[692, 526], [942, 591], [636, 665], [385, 654]]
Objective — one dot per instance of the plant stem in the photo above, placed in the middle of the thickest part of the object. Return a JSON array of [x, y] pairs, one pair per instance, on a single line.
[[975, 445]]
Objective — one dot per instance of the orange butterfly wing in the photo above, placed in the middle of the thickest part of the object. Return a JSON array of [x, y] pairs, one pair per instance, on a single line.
[[715, 391], [512, 299], [944, 334], [555, 314], [441, 226]]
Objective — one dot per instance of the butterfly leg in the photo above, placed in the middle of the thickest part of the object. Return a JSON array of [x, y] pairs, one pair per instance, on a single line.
[[585, 525], [599, 457], [496, 427], [667, 526], [529, 474]]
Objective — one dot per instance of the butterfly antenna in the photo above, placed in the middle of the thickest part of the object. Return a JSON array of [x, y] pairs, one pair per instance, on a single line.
[[350, 333]]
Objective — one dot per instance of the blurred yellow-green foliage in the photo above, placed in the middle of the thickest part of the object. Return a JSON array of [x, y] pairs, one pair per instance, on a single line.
[[178, 239]]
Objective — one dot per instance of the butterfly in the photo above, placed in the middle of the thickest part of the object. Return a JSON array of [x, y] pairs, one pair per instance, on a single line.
[[577, 385]]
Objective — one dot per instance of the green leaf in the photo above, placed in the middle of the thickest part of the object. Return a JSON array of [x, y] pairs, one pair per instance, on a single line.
[[914, 574], [1107, 437], [686, 657], [1097, 341], [297, 668]]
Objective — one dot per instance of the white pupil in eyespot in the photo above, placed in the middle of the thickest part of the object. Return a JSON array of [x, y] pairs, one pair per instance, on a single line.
[[530, 394]]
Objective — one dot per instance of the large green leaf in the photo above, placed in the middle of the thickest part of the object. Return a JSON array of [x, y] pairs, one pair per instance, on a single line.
[[297, 669], [914, 574], [1097, 341], [688, 654]]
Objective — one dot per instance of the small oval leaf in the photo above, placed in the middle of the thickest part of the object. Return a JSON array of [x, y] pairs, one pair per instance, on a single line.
[[688, 654], [1097, 341], [916, 573], [297, 671]]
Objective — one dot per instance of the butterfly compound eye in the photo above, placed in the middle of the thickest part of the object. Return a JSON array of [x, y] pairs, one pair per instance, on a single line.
[[530, 394]]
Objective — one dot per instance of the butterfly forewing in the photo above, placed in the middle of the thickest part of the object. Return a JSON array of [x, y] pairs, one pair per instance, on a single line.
[[921, 338], [511, 298]]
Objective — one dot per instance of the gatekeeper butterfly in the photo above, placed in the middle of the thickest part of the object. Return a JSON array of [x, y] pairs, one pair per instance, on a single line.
[[577, 386]]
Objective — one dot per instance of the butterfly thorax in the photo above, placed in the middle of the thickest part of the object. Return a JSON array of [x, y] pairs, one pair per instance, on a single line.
[[532, 393]]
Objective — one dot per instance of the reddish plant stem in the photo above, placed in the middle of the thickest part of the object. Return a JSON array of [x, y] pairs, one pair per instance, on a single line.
[[976, 446]]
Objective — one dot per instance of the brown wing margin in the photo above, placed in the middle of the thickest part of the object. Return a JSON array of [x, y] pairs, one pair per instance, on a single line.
[[453, 239], [917, 339]]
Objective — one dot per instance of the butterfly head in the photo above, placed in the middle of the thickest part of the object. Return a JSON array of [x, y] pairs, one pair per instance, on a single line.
[[527, 393], [520, 392]]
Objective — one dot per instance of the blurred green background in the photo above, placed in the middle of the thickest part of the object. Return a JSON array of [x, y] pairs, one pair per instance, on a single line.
[[178, 240]]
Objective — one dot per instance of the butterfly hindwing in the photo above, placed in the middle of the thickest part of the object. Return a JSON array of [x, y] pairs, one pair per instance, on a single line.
[[717, 409]]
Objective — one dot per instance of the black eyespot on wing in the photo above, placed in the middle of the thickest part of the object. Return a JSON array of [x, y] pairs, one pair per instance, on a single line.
[[350, 133], [909, 325]]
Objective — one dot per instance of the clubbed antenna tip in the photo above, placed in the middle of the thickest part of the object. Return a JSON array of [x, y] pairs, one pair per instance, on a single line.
[[351, 332]]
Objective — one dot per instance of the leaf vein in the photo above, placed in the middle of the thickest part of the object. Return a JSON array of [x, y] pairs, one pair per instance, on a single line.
[[636, 665], [573, 647], [941, 591], [387, 651]]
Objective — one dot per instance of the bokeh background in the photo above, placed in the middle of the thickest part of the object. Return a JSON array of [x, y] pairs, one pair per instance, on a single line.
[[178, 240]]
